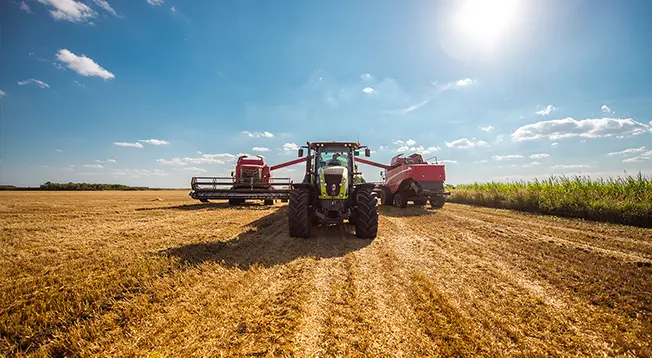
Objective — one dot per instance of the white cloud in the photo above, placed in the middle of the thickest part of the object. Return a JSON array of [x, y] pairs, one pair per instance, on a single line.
[[25, 7], [530, 165], [447, 161], [155, 2], [546, 111], [69, 10], [110, 160], [2, 93], [83, 65], [398, 142], [381, 147], [402, 148], [96, 166], [507, 157], [487, 128], [155, 141], [125, 144], [59, 150], [195, 169], [629, 151], [589, 128], [260, 149], [636, 159], [136, 173], [368, 90], [105, 5], [464, 143], [480, 161], [410, 142], [258, 134], [583, 141], [290, 147], [554, 144], [221, 158], [366, 76], [173, 9], [431, 150], [37, 83], [105, 161], [570, 166], [539, 156], [464, 82], [605, 108]]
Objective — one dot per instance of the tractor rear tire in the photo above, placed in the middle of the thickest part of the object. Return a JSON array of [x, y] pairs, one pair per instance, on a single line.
[[421, 202], [400, 200], [437, 202], [366, 218], [269, 201], [386, 198], [299, 213]]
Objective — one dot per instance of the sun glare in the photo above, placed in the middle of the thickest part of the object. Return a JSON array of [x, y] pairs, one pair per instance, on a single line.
[[485, 22]]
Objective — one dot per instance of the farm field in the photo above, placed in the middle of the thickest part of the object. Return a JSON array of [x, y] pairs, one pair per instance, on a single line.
[[154, 273]]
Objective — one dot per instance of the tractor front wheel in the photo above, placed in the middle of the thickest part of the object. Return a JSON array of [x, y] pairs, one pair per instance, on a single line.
[[299, 213], [366, 218], [437, 202], [420, 201], [400, 200]]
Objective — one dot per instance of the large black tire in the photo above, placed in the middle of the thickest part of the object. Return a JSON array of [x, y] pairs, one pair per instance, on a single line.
[[366, 218], [400, 199], [269, 201], [421, 202], [299, 213], [386, 198], [437, 202], [236, 201]]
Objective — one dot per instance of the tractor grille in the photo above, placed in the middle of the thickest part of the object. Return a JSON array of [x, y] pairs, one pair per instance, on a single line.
[[333, 183]]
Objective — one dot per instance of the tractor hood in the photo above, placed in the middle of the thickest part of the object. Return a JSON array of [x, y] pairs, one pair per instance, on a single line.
[[333, 182]]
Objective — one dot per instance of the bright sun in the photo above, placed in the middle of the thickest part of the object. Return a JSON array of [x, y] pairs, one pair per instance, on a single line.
[[484, 22]]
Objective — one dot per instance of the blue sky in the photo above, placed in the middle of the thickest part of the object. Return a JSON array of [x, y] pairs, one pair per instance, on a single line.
[[152, 92]]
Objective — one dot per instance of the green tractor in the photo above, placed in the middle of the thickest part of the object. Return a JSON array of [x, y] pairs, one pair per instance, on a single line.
[[332, 192]]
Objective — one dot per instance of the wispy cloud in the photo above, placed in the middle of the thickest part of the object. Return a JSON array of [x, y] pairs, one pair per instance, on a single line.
[[530, 165], [629, 151], [589, 128], [446, 161], [258, 134], [546, 111], [220, 158], [539, 156], [368, 90], [571, 166], [137, 173], [464, 143], [487, 128], [105, 5], [95, 166], [260, 149], [290, 147], [36, 83], [59, 150], [25, 7], [605, 108], [507, 157], [154, 141], [126, 144], [105, 161], [2, 93], [69, 10], [83, 65], [155, 2]]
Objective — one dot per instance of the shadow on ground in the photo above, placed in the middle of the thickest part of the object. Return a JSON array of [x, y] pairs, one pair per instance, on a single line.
[[210, 206], [267, 243], [411, 210]]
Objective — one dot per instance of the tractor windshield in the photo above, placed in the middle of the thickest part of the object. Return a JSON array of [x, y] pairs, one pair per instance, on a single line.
[[332, 158]]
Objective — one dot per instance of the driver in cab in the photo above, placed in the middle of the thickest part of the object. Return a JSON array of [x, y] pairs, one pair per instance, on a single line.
[[334, 162]]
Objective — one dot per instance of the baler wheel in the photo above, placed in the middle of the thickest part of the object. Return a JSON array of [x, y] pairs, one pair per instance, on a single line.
[[299, 214], [437, 202], [366, 218], [400, 200]]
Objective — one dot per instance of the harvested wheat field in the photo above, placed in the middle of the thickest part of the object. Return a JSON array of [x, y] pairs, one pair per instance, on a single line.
[[156, 274]]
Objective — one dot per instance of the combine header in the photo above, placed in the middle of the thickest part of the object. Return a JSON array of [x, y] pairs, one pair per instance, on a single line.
[[412, 179], [251, 180]]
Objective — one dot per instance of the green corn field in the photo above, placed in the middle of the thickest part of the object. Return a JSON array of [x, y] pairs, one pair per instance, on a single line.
[[625, 200]]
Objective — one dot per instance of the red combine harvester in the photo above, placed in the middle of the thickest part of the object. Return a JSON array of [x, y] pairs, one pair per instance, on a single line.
[[412, 179], [251, 180]]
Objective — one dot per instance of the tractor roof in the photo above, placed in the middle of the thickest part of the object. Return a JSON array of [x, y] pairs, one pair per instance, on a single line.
[[315, 145]]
